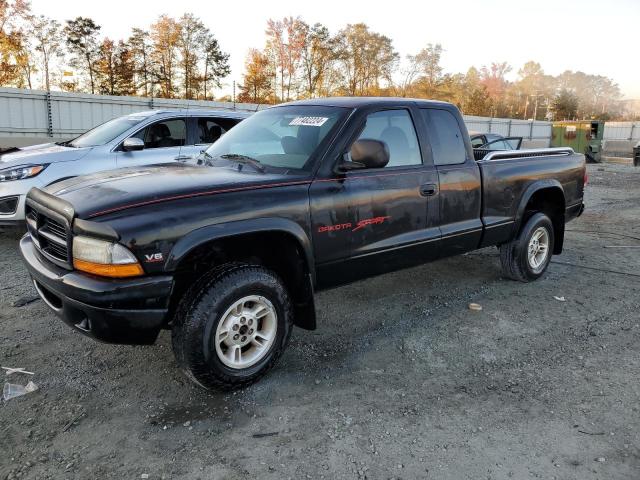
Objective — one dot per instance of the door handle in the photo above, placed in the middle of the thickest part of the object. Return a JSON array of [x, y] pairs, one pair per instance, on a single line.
[[428, 190], [183, 158]]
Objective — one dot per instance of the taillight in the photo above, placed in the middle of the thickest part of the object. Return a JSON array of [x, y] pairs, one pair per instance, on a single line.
[[586, 179]]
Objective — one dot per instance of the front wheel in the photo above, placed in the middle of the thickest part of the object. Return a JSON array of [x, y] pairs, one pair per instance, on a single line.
[[526, 257], [232, 326]]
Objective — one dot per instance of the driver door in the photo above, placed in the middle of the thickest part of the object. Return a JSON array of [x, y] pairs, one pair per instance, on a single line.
[[163, 141], [382, 218]]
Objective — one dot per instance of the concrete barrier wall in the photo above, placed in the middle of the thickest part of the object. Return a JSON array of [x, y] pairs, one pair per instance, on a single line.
[[28, 117]]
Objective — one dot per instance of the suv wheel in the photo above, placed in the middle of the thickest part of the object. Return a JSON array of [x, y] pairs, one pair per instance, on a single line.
[[232, 326], [527, 256]]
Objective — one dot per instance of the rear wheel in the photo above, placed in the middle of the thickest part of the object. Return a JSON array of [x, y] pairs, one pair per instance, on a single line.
[[527, 256], [232, 326]]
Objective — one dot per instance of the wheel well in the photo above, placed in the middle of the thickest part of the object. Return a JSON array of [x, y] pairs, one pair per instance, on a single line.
[[280, 252], [551, 202]]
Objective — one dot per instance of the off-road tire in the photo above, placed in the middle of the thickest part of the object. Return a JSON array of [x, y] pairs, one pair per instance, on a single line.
[[514, 254], [200, 311]]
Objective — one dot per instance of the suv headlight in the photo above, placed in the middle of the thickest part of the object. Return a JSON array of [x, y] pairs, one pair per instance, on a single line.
[[103, 258], [20, 173]]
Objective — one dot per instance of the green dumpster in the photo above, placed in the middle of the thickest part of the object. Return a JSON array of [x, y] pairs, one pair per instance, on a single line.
[[583, 136]]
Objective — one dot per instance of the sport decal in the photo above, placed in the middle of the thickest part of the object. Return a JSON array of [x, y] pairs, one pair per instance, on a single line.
[[349, 226], [370, 221]]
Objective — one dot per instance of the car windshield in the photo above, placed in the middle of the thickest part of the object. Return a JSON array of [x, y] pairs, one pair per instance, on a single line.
[[103, 134], [282, 137]]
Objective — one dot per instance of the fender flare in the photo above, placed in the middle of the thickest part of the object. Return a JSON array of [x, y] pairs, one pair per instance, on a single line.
[[209, 233], [530, 191], [304, 311], [526, 196]]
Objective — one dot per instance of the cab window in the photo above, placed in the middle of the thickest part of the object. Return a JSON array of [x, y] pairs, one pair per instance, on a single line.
[[447, 144], [395, 128]]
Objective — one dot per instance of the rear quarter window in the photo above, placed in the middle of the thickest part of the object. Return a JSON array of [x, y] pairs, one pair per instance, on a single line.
[[447, 143]]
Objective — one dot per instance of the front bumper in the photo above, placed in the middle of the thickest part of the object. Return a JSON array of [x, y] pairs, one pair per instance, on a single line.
[[123, 311]]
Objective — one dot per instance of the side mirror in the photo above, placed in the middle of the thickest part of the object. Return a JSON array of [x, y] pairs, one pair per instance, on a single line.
[[370, 153], [132, 144]]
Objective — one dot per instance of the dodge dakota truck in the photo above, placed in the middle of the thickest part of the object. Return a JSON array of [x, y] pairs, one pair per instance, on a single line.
[[228, 252]]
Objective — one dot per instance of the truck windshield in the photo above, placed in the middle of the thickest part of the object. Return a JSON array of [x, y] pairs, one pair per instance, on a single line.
[[283, 137], [103, 134]]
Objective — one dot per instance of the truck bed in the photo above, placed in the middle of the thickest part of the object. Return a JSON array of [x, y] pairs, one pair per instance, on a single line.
[[506, 176]]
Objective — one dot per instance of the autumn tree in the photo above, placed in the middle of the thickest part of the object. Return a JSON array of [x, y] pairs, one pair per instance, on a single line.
[[428, 66], [13, 53], [164, 36], [474, 99], [115, 69], [105, 69], [81, 37], [316, 56], [139, 48], [256, 85], [494, 81], [366, 58], [26, 62], [48, 41], [285, 41], [125, 70]]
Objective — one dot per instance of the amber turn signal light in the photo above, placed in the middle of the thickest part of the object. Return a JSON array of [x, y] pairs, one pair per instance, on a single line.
[[106, 270]]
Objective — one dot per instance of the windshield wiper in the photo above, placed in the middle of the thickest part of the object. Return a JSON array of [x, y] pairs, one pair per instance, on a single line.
[[66, 144], [244, 159]]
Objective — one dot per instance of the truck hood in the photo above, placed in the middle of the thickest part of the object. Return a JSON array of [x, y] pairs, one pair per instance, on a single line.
[[41, 154], [119, 190]]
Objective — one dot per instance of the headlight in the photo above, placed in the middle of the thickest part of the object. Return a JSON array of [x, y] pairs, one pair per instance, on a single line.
[[103, 258], [20, 173]]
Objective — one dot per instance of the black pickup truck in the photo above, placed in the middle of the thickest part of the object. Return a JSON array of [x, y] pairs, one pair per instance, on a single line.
[[228, 252]]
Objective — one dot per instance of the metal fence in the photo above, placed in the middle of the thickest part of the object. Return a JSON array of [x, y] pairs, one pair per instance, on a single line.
[[534, 134], [33, 116], [620, 138]]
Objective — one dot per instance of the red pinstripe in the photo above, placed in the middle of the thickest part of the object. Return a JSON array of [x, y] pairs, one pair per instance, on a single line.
[[239, 189]]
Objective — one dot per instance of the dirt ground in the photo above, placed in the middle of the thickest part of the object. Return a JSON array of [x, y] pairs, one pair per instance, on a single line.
[[401, 380]]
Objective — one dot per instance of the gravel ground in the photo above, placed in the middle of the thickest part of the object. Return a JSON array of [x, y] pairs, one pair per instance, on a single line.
[[401, 380]]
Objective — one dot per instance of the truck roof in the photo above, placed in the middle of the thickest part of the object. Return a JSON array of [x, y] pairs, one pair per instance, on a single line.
[[355, 102]]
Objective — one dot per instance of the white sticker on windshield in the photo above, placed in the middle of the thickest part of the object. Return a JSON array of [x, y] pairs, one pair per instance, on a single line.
[[309, 121]]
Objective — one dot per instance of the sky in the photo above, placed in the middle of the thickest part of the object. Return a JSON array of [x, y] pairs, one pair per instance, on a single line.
[[594, 36]]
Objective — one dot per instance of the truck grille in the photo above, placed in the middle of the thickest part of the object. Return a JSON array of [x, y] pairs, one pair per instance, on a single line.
[[51, 236]]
